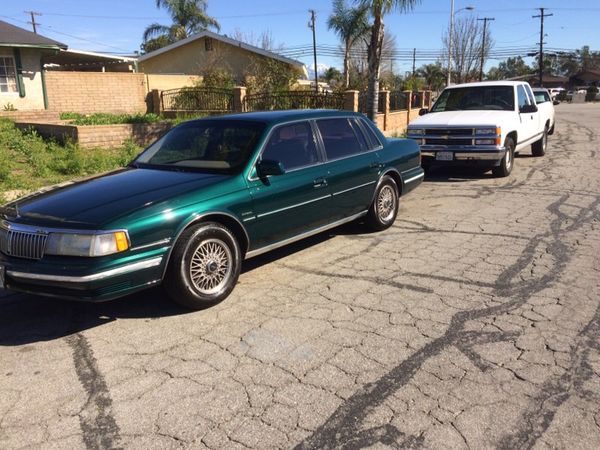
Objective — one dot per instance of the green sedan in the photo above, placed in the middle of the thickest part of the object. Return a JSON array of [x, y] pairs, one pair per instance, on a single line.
[[201, 199]]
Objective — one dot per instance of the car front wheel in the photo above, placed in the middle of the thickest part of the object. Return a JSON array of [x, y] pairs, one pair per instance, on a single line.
[[384, 209], [204, 266]]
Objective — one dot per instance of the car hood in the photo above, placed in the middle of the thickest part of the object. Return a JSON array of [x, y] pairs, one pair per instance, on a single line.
[[461, 118], [100, 200]]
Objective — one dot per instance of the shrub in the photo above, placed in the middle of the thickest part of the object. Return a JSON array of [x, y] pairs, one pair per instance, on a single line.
[[590, 96]]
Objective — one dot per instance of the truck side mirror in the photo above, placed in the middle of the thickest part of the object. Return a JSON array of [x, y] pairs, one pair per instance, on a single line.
[[528, 109], [423, 111]]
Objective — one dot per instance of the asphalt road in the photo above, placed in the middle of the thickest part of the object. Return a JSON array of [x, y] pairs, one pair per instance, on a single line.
[[474, 322]]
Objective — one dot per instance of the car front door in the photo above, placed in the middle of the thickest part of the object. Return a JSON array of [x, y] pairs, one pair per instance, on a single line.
[[352, 163], [529, 120], [296, 201]]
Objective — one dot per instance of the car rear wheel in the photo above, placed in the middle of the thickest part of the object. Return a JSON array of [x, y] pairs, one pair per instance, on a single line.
[[204, 266], [506, 165], [539, 148], [384, 209]]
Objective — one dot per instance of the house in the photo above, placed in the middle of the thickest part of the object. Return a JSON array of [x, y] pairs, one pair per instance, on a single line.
[[207, 50], [548, 81], [22, 81], [588, 77]]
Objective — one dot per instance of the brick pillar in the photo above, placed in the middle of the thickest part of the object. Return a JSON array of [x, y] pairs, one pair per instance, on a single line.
[[408, 105], [155, 99], [386, 107], [239, 94], [422, 98], [351, 101]]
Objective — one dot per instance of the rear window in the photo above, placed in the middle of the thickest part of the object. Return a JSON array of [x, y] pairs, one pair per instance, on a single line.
[[541, 97]]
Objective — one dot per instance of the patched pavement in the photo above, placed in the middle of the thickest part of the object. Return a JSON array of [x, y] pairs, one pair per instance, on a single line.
[[474, 322]]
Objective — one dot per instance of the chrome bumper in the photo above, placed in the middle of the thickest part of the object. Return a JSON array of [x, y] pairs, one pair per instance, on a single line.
[[466, 153]]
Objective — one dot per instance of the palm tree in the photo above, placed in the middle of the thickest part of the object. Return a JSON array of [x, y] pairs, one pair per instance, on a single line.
[[433, 74], [188, 16], [349, 24], [378, 9]]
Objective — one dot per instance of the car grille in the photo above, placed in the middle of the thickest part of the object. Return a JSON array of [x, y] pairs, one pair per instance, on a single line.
[[22, 244]]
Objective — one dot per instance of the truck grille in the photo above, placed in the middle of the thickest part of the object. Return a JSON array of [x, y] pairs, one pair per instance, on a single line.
[[21, 244], [448, 141], [449, 131]]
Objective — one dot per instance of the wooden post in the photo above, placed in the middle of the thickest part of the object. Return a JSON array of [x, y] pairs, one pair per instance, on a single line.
[[351, 101], [156, 101], [239, 94]]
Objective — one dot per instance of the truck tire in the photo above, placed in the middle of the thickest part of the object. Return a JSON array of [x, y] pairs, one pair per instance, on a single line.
[[506, 165], [539, 148]]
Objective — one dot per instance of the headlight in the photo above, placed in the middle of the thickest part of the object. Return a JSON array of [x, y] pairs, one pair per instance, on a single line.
[[480, 131], [485, 141], [101, 244], [416, 131]]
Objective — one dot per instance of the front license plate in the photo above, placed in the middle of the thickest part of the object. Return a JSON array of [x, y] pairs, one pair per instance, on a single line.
[[2, 278], [444, 156]]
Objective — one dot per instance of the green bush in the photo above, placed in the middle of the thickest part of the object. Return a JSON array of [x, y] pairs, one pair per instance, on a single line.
[[108, 119], [590, 96]]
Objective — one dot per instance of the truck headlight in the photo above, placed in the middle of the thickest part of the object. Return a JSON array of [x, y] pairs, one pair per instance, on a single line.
[[485, 141], [98, 244], [416, 132], [487, 131]]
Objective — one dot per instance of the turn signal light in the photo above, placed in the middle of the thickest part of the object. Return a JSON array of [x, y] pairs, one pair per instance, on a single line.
[[121, 241], [498, 136]]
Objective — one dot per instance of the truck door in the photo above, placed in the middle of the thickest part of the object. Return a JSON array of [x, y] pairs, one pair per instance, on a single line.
[[529, 120]]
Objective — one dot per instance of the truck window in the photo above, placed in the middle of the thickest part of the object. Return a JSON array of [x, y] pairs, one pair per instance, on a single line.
[[522, 96], [476, 98]]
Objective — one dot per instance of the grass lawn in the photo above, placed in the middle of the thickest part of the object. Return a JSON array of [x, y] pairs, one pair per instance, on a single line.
[[28, 162]]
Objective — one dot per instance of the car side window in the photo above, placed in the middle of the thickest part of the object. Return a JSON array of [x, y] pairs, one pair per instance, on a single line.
[[522, 96], [372, 138], [293, 146], [339, 138]]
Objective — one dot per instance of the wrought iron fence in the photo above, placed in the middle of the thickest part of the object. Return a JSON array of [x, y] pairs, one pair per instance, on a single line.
[[197, 99], [269, 101], [398, 100], [362, 102], [415, 101]]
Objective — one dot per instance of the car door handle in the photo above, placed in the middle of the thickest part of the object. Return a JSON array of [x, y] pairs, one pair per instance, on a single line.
[[376, 165], [319, 182]]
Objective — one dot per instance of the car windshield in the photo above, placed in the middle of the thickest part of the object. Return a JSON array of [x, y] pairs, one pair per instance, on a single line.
[[476, 98], [211, 145]]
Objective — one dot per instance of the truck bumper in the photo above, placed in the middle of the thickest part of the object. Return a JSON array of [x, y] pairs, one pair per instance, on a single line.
[[490, 156]]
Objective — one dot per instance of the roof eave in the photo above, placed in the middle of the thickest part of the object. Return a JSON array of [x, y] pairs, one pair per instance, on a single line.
[[38, 46]]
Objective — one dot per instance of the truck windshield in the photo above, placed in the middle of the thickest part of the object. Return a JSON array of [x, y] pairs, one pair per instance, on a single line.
[[476, 98]]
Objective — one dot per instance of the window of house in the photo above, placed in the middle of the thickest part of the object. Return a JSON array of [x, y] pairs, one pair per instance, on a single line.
[[208, 44], [8, 75]]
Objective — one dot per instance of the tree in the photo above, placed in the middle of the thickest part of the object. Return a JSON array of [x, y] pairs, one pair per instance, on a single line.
[[433, 75], [378, 9], [512, 67], [264, 40], [467, 39], [188, 16], [350, 24], [332, 76]]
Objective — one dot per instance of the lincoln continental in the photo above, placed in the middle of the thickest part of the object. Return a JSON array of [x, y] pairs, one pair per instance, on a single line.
[[201, 199]]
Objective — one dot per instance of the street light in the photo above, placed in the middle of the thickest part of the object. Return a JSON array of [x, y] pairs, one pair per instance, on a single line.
[[466, 8]]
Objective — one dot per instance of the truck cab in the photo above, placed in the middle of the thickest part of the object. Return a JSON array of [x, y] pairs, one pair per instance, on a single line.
[[481, 124]]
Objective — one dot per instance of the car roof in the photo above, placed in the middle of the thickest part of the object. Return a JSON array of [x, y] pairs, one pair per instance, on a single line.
[[285, 115]]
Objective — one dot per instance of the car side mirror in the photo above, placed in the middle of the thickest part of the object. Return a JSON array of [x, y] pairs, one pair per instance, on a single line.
[[423, 111], [528, 109], [268, 167]]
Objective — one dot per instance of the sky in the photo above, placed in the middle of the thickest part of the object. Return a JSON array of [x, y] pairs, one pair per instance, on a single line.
[[116, 26]]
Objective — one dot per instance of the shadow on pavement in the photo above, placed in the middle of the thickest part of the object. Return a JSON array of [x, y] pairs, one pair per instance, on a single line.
[[26, 319]]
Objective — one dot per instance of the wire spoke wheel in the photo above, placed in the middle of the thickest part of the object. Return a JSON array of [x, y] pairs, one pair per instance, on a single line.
[[386, 203], [211, 266]]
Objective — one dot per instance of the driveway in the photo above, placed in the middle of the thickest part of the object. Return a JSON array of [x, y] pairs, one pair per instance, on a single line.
[[474, 322]]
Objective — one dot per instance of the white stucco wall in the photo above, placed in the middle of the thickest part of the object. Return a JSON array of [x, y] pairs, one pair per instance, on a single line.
[[32, 79]]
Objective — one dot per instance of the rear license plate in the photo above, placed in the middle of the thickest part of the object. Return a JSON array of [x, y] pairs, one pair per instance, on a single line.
[[444, 156], [2, 277]]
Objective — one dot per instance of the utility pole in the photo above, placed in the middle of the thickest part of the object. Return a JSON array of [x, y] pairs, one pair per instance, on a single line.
[[414, 60], [485, 21], [311, 24], [33, 22], [541, 64], [449, 76]]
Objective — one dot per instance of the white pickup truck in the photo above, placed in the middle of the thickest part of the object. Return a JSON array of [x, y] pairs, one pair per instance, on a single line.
[[481, 123]]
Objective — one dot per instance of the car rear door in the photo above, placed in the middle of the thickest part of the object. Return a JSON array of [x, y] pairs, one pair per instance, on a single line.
[[529, 120], [297, 201], [352, 163]]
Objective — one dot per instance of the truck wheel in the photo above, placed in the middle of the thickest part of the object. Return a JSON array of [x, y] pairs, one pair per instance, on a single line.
[[204, 266], [506, 165], [539, 148]]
